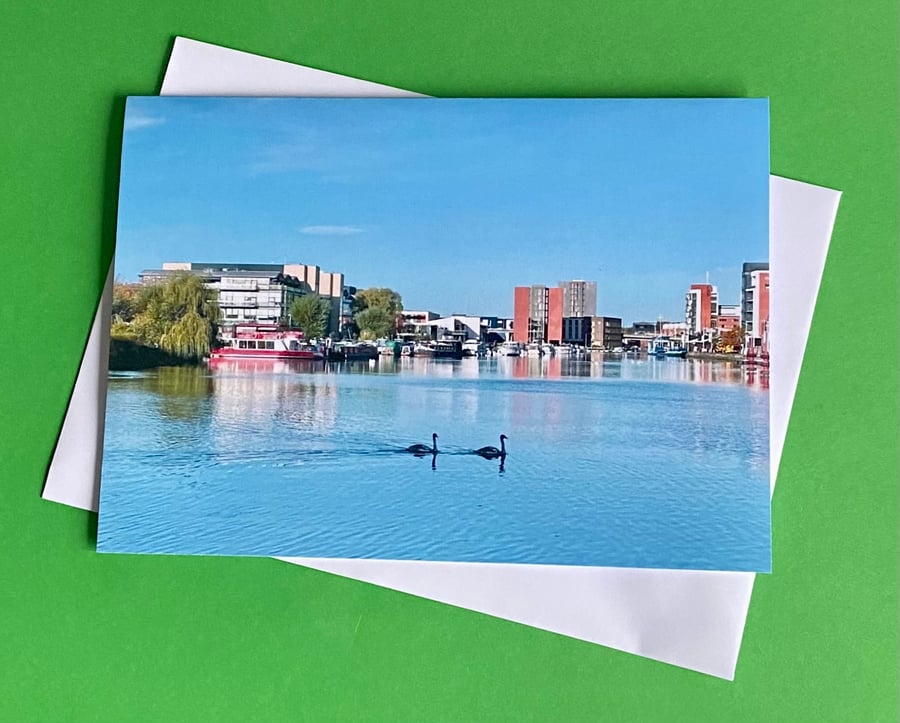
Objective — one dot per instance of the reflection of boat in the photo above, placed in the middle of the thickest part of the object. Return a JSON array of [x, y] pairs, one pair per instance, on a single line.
[[663, 346], [510, 348], [264, 342]]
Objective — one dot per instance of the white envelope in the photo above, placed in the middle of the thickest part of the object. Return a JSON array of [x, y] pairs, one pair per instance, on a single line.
[[693, 619]]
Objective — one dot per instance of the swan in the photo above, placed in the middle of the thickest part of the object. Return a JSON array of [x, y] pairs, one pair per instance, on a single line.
[[424, 448], [493, 452]]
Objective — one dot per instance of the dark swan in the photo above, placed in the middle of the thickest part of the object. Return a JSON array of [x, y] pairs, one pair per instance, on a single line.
[[424, 448], [493, 452]]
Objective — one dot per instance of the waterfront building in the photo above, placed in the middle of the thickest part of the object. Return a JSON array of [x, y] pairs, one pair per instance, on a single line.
[[579, 298], [755, 306], [348, 297], [463, 327], [606, 332], [701, 308], [539, 312], [644, 327], [674, 329], [259, 293], [578, 330], [416, 322], [729, 317]]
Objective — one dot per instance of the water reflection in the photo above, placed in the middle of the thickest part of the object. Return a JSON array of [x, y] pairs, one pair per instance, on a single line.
[[180, 392], [612, 457]]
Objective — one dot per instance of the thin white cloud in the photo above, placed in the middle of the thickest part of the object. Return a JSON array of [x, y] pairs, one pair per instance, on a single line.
[[331, 230], [135, 121]]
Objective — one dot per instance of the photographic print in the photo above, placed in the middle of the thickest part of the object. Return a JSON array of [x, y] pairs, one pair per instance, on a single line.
[[482, 330]]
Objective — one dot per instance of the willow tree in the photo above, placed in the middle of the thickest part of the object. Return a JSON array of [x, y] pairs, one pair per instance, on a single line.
[[179, 316], [310, 314]]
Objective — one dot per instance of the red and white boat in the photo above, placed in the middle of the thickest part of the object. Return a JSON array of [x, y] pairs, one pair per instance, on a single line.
[[264, 342]]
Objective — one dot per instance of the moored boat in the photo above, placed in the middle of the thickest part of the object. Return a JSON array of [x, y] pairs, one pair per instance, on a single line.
[[664, 346], [510, 348], [351, 351], [473, 347], [264, 342]]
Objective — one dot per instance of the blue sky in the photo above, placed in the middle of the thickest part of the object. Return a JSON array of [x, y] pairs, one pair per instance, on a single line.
[[454, 202]]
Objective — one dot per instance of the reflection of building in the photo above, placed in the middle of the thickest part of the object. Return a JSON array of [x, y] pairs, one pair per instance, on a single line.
[[259, 293], [540, 311], [755, 305], [606, 332]]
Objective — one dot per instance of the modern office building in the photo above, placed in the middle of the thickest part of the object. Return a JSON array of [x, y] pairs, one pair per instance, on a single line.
[[729, 317], [259, 293], [577, 330], [755, 305], [579, 298], [416, 322], [606, 332], [701, 309], [645, 327], [539, 312], [674, 329]]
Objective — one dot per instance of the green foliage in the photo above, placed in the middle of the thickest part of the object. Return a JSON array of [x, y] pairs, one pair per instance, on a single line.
[[179, 316], [122, 330], [375, 322], [310, 313], [126, 305], [377, 312], [386, 299]]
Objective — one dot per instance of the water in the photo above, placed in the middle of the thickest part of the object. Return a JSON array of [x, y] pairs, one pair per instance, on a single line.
[[625, 462]]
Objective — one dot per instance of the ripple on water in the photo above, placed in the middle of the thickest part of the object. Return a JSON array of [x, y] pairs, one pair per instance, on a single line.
[[646, 465]]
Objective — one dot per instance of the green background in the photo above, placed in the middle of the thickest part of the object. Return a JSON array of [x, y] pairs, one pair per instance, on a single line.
[[89, 637]]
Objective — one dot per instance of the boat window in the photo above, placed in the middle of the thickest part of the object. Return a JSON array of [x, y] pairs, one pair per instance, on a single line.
[[270, 345], [251, 345], [294, 345], [242, 344]]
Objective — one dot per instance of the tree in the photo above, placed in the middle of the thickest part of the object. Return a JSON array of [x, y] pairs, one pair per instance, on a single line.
[[731, 340], [386, 299], [310, 313], [377, 312], [179, 316], [375, 322], [125, 305]]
